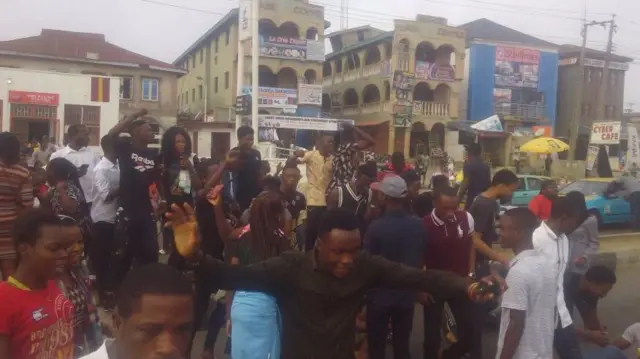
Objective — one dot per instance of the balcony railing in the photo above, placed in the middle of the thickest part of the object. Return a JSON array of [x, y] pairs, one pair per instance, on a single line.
[[521, 111], [382, 68], [429, 108], [433, 109]]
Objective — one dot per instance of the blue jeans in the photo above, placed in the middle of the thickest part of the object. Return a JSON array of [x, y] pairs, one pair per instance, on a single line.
[[565, 340], [608, 352]]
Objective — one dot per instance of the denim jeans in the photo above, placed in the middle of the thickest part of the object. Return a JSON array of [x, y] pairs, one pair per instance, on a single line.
[[565, 340], [608, 352]]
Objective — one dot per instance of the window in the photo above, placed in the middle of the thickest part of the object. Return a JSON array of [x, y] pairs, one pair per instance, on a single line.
[[193, 61], [226, 80], [534, 184], [186, 97], [200, 91], [126, 88], [360, 35], [215, 60], [215, 85], [201, 55], [226, 38], [521, 185], [89, 116], [217, 44], [586, 109], [587, 187], [193, 95], [149, 89], [613, 78], [589, 76]]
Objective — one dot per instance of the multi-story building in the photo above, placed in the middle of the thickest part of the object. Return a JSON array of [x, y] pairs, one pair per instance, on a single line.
[[613, 101], [512, 75], [144, 82], [291, 55], [401, 86]]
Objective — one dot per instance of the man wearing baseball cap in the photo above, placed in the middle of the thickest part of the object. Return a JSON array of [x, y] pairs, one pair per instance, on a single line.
[[400, 237]]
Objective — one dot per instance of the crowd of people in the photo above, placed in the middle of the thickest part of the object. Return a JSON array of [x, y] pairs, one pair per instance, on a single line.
[[333, 272]]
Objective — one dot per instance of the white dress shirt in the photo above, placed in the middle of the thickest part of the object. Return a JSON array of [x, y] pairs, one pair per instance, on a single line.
[[106, 179], [556, 248], [83, 156]]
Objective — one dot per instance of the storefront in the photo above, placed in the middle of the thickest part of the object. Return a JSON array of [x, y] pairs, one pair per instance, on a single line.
[[33, 114]]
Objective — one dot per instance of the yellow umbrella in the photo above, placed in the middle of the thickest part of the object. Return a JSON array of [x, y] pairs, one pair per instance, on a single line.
[[544, 145]]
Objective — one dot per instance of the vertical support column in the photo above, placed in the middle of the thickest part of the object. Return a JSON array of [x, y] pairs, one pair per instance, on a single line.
[[407, 141], [391, 144]]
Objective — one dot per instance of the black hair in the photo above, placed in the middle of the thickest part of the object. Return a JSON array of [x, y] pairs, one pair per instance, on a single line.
[[578, 201], [410, 177], [244, 131], [474, 149], [28, 226], [565, 207], [504, 177], [445, 192], [438, 181], [600, 275], [337, 218], [271, 183], [107, 143], [423, 204], [9, 149], [62, 169], [203, 166], [368, 169], [73, 130], [152, 279], [524, 219], [167, 145]]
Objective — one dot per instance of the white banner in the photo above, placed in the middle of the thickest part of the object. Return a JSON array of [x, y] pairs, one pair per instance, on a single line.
[[309, 94], [633, 147], [489, 124], [605, 133], [592, 155], [300, 123], [244, 20]]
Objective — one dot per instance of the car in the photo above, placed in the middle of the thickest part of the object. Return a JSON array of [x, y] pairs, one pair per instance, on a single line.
[[609, 210], [528, 187]]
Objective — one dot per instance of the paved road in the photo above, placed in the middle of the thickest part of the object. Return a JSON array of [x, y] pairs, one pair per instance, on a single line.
[[617, 312]]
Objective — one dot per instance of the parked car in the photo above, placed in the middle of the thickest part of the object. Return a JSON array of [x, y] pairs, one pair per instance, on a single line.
[[528, 187], [608, 209]]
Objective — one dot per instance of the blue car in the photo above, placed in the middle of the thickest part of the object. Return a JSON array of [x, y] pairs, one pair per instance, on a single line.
[[609, 210], [528, 187]]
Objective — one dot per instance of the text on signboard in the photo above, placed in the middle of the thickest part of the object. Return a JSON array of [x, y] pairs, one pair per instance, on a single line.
[[606, 132]]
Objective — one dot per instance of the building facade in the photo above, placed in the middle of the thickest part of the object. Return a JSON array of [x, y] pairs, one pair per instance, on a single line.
[[290, 66], [39, 103], [401, 86], [569, 80], [143, 81]]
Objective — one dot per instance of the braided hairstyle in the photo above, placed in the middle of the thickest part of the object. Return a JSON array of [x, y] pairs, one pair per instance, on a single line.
[[265, 222]]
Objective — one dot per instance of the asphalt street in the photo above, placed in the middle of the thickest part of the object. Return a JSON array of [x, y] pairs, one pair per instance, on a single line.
[[617, 311]]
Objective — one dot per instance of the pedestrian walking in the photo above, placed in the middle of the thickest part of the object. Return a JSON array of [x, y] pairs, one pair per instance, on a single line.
[[349, 141], [540, 205], [476, 175], [248, 176], [356, 196], [17, 196]]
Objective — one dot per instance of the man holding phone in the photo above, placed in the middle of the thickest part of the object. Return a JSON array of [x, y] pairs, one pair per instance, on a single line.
[[77, 152]]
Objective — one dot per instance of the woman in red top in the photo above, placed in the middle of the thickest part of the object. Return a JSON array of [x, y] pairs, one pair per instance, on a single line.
[[36, 319], [540, 205]]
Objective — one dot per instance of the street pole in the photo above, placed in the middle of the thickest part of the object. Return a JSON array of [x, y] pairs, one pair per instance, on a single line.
[[239, 86], [600, 100], [255, 58], [574, 128]]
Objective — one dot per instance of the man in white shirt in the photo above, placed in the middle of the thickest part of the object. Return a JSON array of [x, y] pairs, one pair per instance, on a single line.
[[81, 156], [528, 305], [551, 241], [154, 316], [630, 338], [106, 185]]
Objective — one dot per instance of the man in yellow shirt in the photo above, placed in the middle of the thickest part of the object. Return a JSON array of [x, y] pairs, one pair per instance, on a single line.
[[319, 172]]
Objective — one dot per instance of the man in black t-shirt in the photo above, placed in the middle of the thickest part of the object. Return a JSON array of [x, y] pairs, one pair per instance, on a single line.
[[294, 201], [476, 175], [248, 174], [139, 177]]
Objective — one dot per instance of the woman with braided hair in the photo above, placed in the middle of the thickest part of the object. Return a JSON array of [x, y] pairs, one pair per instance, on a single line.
[[255, 317]]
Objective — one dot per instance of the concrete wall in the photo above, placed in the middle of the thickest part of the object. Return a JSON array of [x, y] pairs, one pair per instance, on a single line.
[[72, 89]]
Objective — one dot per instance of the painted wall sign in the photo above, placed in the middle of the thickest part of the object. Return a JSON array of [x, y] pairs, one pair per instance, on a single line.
[[34, 98]]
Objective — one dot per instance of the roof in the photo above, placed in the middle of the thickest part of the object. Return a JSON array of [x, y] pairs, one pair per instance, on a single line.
[[485, 29], [361, 44], [568, 50], [232, 15], [78, 46], [350, 30]]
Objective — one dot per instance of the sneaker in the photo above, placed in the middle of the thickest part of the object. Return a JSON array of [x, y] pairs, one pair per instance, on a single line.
[[162, 252]]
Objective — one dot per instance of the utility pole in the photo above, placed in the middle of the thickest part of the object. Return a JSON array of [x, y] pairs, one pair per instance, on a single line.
[[576, 116], [600, 100]]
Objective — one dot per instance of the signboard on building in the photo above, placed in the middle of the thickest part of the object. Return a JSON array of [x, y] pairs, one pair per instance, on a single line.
[[633, 147], [243, 105], [592, 156], [430, 71], [605, 133], [300, 123], [34, 98], [403, 108], [244, 20], [291, 48], [594, 63], [273, 97], [516, 67], [309, 94]]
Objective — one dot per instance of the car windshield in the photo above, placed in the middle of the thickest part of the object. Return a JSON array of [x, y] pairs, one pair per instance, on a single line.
[[589, 188]]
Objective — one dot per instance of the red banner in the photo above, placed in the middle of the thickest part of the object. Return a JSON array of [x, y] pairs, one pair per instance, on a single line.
[[34, 98]]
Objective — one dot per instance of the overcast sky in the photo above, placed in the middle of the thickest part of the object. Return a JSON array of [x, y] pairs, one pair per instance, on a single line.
[[164, 32]]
